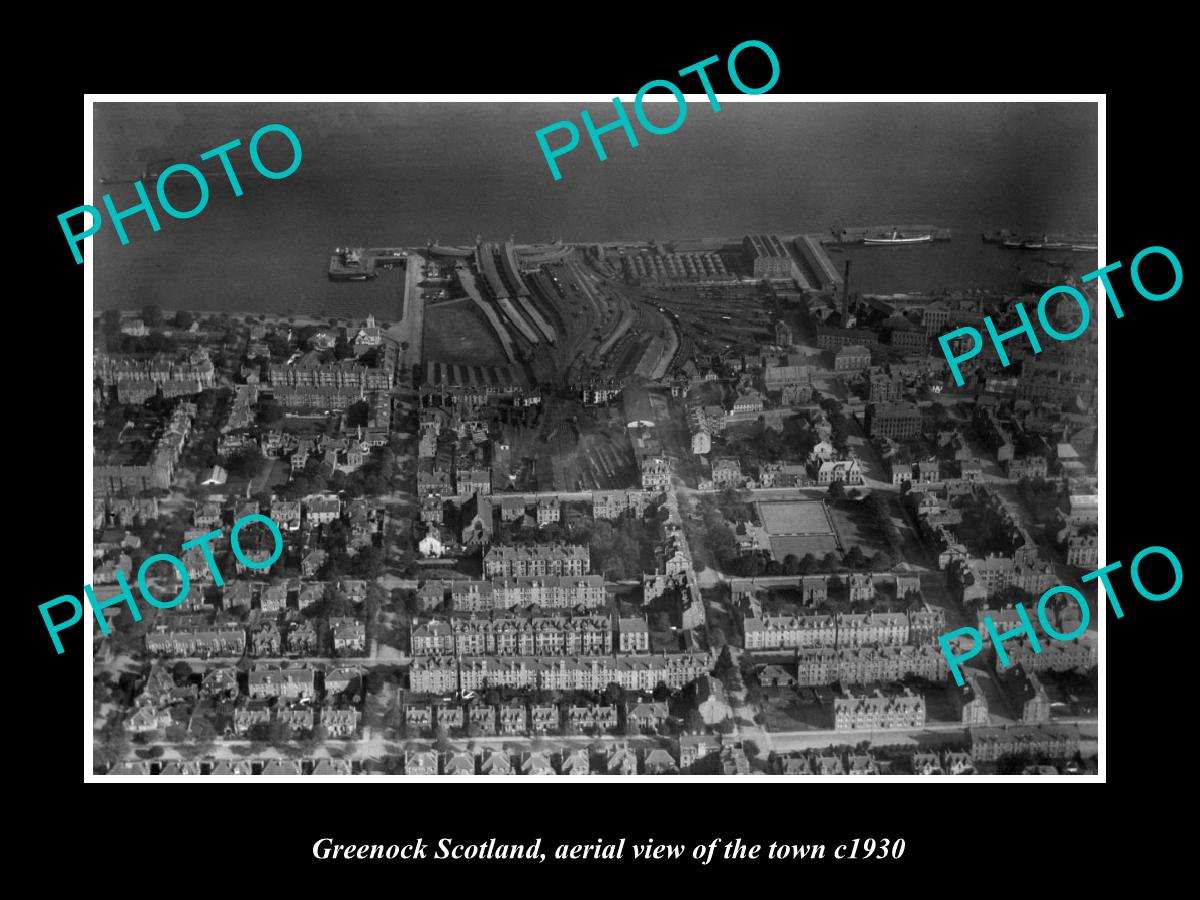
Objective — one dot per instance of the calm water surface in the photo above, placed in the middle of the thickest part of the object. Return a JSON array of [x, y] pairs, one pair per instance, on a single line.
[[404, 174]]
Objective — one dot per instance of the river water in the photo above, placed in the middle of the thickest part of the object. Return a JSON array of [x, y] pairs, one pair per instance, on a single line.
[[407, 173]]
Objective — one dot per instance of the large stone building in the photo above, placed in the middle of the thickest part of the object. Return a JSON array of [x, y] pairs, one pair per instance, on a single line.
[[826, 630], [515, 636], [989, 744], [536, 560], [309, 371], [549, 591], [642, 672], [614, 504], [767, 255], [878, 711], [861, 665], [851, 358], [893, 420]]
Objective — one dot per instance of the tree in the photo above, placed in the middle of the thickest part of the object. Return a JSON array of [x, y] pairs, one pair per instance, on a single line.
[[183, 320], [791, 565], [203, 730], [724, 665], [270, 413], [662, 693], [246, 462], [336, 604], [809, 564], [716, 639], [748, 668], [881, 562], [357, 413], [279, 732], [614, 693], [831, 563], [836, 491], [114, 746], [442, 741], [693, 721], [182, 671], [856, 558], [152, 316]]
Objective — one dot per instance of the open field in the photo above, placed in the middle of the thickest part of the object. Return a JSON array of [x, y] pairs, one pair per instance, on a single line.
[[456, 333], [783, 711], [856, 526]]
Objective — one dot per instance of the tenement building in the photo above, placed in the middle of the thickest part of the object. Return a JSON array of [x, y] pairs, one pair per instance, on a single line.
[[858, 712], [536, 559]]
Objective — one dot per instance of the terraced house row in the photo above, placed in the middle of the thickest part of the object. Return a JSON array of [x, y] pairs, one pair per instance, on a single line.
[[825, 665], [513, 636], [349, 637], [826, 630], [309, 371], [552, 591], [535, 560], [851, 712], [441, 675]]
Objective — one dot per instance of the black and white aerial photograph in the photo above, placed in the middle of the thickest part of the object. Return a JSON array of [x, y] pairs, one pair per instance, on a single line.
[[411, 460]]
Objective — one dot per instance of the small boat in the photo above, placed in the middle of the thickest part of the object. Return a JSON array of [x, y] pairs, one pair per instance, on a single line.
[[897, 238], [999, 237], [1040, 284], [1084, 248]]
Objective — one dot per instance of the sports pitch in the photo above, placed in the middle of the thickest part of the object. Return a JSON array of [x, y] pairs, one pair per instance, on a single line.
[[795, 517]]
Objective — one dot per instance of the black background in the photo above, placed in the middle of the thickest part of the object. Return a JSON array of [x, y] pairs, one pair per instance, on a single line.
[[156, 834]]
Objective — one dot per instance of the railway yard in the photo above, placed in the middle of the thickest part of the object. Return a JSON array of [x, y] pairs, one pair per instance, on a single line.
[[574, 317]]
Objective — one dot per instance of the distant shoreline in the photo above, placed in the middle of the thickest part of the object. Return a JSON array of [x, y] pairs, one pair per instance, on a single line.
[[300, 319]]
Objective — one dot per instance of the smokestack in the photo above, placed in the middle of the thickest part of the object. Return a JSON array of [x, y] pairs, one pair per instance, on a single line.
[[846, 295]]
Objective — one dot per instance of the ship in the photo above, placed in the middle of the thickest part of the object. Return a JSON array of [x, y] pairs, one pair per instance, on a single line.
[[1042, 278], [897, 238], [1045, 243], [149, 173]]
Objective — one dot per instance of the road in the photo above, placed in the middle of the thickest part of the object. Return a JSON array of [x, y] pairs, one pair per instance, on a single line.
[[934, 732], [410, 329]]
